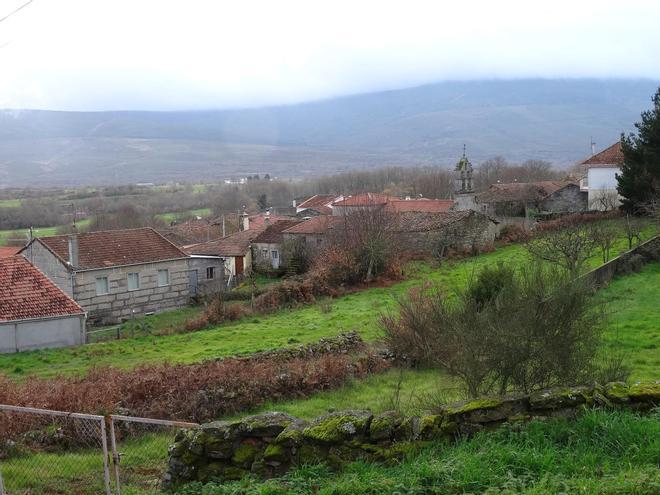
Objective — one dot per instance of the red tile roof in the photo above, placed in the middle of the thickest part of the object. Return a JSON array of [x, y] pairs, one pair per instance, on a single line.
[[317, 200], [315, 225], [609, 157], [364, 199], [236, 244], [6, 252], [191, 232], [26, 293], [321, 210], [258, 221], [419, 205], [114, 248], [273, 234]]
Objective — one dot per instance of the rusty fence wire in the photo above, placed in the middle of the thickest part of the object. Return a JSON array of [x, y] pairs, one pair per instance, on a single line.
[[139, 451], [61, 453], [52, 452]]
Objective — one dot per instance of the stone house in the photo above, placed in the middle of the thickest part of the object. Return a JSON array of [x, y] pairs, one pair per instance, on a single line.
[[434, 233], [312, 232], [600, 180], [34, 312], [115, 274], [233, 251], [268, 251], [191, 232]]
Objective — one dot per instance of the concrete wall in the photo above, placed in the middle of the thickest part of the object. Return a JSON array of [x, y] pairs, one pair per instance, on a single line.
[[44, 333], [266, 261], [120, 303], [52, 266]]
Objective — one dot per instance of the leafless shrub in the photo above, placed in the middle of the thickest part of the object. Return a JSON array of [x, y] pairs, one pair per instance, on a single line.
[[569, 247]]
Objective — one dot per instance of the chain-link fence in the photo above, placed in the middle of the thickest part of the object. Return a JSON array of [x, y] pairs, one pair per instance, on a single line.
[[52, 452], [139, 450], [60, 453]]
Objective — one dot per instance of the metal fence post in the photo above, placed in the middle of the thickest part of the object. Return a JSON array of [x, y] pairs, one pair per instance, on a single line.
[[106, 468], [115, 455]]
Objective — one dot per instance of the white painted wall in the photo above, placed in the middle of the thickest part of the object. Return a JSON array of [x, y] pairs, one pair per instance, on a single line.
[[25, 335], [600, 180]]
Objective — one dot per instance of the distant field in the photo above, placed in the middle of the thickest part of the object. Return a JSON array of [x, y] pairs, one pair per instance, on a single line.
[[10, 203], [22, 234], [169, 217]]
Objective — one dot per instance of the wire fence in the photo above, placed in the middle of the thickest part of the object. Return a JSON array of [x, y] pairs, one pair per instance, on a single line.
[[57, 453], [139, 451]]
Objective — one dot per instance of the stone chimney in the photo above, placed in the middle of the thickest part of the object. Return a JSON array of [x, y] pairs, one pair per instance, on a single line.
[[267, 218], [74, 260]]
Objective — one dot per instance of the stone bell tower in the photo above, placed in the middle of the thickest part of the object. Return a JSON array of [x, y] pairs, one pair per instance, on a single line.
[[464, 195]]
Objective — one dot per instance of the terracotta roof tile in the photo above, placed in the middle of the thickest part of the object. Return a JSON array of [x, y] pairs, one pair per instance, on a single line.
[[25, 292], [363, 199], [233, 245], [318, 200], [191, 232], [114, 248], [419, 205], [315, 225], [273, 233], [6, 252], [609, 157]]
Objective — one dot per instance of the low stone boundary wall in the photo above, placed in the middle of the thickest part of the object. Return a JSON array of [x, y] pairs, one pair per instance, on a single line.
[[627, 262], [269, 444]]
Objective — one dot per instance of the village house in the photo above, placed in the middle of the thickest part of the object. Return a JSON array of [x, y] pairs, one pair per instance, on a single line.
[[191, 231], [268, 247], [391, 204], [600, 179], [229, 257], [434, 233], [313, 232], [114, 274], [319, 204], [34, 312]]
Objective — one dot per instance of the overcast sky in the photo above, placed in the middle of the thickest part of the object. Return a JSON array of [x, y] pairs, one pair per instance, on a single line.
[[192, 54]]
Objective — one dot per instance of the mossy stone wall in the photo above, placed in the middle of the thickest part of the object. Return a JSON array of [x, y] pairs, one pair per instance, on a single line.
[[270, 444]]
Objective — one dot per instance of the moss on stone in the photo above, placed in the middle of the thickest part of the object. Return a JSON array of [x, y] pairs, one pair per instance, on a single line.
[[275, 452], [311, 454], [268, 424], [234, 473], [472, 405], [561, 398], [337, 427], [383, 426], [645, 392], [617, 392], [292, 435], [245, 454]]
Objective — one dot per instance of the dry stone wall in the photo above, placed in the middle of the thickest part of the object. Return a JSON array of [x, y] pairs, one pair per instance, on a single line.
[[268, 445]]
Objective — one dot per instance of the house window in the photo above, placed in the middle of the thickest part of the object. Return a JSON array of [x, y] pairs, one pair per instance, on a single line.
[[264, 253], [163, 278], [102, 286], [210, 272], [133, 281], [274, 254]]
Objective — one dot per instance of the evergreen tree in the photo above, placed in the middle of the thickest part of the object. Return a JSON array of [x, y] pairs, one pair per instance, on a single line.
[[639, 180], [262, 202]]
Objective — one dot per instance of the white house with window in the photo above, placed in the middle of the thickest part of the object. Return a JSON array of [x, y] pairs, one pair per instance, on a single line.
[[115, 274], [600, 179]]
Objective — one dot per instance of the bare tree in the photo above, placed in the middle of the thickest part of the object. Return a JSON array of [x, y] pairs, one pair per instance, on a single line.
[[605, 234], [605, 200], [633, 228], [569, 247]]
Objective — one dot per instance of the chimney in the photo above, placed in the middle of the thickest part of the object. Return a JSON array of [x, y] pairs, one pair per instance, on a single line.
[[593, 147], [73, 249], [267, 218], [294, 203], [245, 221]]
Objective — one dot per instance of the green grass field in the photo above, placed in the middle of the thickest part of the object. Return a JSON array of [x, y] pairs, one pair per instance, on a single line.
[[10, 203], [37, 231], [358, 311], [170, 217]]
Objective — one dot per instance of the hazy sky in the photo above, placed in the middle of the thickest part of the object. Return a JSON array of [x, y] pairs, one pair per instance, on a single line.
[[176, 54]]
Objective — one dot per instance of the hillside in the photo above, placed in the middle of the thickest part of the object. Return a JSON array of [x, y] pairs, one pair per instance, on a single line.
[[519, 119]]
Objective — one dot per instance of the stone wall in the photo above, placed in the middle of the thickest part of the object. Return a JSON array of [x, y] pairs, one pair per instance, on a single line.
[[120, 303], [629, 261], [567, 199], [50, 265], [270, 444]]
